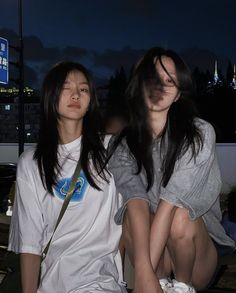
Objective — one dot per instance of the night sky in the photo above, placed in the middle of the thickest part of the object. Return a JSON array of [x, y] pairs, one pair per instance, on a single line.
[[106, 34]]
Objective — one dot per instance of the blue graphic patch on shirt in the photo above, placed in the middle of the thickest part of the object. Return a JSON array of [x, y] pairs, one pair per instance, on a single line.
[[62, 186]]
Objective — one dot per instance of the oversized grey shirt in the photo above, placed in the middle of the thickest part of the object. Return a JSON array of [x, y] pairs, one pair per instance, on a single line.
[[195, 183]]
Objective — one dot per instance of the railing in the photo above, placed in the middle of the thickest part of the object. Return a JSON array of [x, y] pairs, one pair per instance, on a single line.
[[9, 152], [226, 153]]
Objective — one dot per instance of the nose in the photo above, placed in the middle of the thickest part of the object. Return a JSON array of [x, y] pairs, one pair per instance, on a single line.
[[76, 96]]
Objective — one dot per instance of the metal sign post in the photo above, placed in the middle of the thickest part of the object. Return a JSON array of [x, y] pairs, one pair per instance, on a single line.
[[21, 83], [4, 71]]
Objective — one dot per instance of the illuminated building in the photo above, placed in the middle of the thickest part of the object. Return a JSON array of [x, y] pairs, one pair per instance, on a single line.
[[14, 92], [9, 125], [233, 83], [216, 81]]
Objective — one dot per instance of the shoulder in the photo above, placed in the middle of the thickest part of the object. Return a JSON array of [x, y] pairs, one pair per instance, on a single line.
[[116, 143], [26, 160], [206, 129], [208, 136], [207, 149], [122, 148], [121, 154], [27, 155]]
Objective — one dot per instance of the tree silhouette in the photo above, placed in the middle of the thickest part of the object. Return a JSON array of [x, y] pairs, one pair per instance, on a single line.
[[116, 92]]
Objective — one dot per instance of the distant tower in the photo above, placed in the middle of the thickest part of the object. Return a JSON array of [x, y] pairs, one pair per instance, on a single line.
[[233, 83], [216, 80], [216, 77]]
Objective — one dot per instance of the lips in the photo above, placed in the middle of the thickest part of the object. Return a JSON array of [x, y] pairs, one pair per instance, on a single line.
[[77, 106], [155, 98]]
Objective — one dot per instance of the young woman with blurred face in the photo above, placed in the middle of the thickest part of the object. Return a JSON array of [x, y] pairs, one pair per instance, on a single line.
[[166, 169]]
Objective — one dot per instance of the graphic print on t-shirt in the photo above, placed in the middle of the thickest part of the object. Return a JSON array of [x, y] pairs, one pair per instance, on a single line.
[[62, 186]]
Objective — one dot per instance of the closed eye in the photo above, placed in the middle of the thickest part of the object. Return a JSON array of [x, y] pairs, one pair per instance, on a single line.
[[85, 90], [169, 80]]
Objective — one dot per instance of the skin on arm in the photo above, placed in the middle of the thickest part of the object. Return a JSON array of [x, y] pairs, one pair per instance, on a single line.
[[136, 234], [30, 266], [160, 231]]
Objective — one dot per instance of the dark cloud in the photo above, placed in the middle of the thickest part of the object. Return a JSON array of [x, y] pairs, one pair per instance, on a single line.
[[105, 35], [203, 59], [114, 59], [34, 50], [71, 52], [138, 8], [31, 76], [10, 35], [103, 24]]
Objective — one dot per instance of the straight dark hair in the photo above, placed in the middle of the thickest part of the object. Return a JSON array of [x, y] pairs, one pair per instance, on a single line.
[[181, 131], [46, 153]]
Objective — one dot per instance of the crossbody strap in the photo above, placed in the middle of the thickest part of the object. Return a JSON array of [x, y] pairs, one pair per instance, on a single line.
[[65, 204]]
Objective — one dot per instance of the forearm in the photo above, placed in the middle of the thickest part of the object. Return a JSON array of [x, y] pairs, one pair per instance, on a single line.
[[30, 266], [138, 218], [160, 231]]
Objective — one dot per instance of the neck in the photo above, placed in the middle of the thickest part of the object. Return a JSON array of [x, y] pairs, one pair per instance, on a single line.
[[157, 122], [69, 131]]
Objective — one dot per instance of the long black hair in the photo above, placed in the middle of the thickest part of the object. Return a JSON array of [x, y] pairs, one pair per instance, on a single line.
[[46, 153], [180, 128]]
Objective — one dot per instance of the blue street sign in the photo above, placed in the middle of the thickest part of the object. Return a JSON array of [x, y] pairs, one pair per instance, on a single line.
[[3, 61]]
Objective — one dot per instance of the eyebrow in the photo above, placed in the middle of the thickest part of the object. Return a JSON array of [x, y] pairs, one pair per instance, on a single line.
[[84, 82], [81, 83], [172, 73]]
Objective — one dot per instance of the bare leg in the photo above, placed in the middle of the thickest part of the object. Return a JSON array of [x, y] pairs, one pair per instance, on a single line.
[[165, 266], [192, 252], [136, 239]]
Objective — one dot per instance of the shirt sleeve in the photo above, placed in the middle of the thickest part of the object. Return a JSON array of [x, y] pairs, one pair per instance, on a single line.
[[26, 229], [196, 183], [123, 167]]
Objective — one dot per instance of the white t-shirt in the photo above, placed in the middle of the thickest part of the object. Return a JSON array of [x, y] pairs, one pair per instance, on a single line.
[[83, 255]]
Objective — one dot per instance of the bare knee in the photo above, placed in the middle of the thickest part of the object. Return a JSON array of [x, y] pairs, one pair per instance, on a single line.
[[182, 228]]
